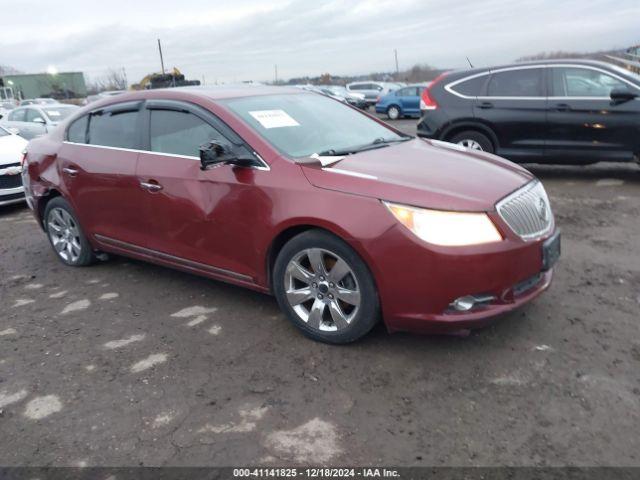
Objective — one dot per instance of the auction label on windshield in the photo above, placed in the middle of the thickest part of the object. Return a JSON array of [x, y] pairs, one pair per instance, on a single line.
[[274, 118]]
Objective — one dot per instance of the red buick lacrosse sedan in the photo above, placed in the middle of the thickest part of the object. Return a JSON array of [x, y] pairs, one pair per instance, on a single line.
[[341, 217]]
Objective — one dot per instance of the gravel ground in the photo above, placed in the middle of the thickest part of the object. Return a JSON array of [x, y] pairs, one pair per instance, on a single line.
[[126, 363]]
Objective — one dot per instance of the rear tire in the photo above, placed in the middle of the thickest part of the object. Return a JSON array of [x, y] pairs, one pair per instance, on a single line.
[[393, 112], [68, 240], [325, 288], [473, 140]]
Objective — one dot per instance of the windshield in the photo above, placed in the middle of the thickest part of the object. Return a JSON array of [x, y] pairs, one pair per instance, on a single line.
[[58, 114], [300, 125]]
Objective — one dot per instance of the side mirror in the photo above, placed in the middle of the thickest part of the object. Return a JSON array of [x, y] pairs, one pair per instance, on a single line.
[[217, 153], [39, 120], [620, 95]]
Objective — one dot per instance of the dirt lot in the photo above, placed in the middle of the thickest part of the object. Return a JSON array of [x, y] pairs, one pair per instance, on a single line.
[[126, 363]]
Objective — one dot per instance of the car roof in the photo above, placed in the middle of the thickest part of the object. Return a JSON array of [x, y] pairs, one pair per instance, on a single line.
[[555, 61], [209, 92]]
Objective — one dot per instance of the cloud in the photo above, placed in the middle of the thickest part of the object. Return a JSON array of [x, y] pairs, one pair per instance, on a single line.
[[245, 40]]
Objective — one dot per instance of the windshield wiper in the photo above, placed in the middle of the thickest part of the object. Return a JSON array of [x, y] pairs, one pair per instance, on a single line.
[[377, 143]]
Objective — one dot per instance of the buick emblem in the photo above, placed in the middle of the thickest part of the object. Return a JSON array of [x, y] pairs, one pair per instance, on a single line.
[[542, 210]]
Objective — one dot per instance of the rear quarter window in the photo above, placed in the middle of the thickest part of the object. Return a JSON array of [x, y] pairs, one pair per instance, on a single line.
[[472, 87], [77, 131]]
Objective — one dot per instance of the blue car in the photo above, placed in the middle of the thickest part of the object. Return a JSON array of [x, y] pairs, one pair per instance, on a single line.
[[404, 102]]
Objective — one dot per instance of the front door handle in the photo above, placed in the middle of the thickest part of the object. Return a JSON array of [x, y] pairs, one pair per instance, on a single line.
[[72, 172], [151, 187], [485, 105], [562, 107]]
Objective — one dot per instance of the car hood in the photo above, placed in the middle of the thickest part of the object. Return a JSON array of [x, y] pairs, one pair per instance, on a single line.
[[423, 173], [11, 147]]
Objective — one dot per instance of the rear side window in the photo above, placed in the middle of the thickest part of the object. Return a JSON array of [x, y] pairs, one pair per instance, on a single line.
[[472, 87], [77, 132], [526, 82], [114, 129], [180, 133]]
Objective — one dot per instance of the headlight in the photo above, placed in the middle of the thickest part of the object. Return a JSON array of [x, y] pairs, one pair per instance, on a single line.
[[451, 229]]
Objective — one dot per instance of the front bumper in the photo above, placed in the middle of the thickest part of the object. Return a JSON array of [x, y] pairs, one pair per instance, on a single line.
[[11, 196], [418, 282], [11, 189]]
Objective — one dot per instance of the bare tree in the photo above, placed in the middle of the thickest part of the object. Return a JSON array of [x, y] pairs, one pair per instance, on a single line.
[[113, 79]]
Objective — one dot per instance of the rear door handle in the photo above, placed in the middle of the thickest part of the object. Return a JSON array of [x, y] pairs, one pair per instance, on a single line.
[[151, 187], [72, 172], [562, 107], [485, 105]]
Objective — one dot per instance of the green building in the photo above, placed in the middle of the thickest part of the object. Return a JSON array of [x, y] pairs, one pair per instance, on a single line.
[[33, 85]]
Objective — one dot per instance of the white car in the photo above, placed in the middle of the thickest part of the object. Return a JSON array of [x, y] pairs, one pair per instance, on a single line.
[[11, 148], [34, 120]]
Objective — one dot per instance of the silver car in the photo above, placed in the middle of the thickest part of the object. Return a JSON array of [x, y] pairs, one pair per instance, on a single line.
[[35, 120], [373, 90]]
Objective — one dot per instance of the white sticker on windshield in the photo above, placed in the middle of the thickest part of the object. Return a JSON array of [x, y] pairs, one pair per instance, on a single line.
[[274, 118], [53, 113]]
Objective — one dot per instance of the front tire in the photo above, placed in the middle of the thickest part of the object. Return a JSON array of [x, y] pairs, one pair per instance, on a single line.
[[473, 140], [65, 234], [325, 288], [393, 112]]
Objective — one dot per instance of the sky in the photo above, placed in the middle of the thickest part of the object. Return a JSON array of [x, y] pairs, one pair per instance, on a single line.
[[232, 41]]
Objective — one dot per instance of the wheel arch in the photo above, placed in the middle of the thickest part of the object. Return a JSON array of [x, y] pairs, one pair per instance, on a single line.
[[458, 127], [41, 204], [291, 230], [394, 105]]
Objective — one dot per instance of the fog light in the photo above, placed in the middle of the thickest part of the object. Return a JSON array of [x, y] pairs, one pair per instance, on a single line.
[[468, 302]]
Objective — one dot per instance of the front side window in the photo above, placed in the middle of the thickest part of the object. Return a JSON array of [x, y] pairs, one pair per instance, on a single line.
[[78, 130], [525, 82], [302, 124], [18, 115], [180, 133], [114, 129], [583, 82], [34, 115]]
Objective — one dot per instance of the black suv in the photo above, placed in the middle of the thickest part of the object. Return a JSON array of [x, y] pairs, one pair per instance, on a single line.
[[561, 111]]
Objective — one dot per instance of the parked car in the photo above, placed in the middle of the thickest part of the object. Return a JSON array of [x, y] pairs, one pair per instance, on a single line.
[[561, 111], [353, 98], [404, 102], [343, 218], [38, 101], [372, 90], [11, 152], [6, 107], [35, 120]]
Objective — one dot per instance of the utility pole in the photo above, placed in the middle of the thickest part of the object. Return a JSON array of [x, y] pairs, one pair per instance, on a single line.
[[395, 51], [124, 75], [161, 59], [276, 68]]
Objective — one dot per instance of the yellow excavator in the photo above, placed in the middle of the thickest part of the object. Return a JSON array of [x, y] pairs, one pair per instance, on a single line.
[[164, 80]]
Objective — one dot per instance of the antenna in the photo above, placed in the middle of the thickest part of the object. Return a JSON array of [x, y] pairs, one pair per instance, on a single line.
[[470, 64], [161, 59]]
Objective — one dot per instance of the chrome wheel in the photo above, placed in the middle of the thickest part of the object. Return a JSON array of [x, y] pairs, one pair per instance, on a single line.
[[64, 234], [393, 113], [322, 290], [470, 144]]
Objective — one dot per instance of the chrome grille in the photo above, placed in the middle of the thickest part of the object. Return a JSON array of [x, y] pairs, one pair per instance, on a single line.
[[527, 211]]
